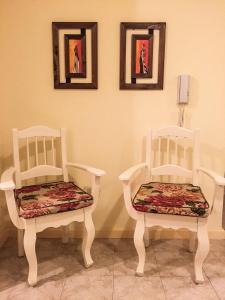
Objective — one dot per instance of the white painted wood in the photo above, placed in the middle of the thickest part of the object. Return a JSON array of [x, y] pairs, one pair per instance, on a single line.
[[148, 155], [64, 158], [88, 238], [53, 151], [57, 220], [148, 220], [219, 180], [8, 186], [20, 236], [128, 174], [28, 154], [196, 156], [171, 221], [16, 157], [173, 131], [41, 170], [29, 247], [35, 225], [168, 149], [159, 151], [95, 190], [176, 150], [44, 148], [202, 250], [171, 170], [127, 198], [36, 151], [89, 169], [38, 131], [139, 244]]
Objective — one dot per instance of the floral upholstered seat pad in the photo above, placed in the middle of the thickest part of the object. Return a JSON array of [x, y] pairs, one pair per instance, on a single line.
[[50, 198], [171, 198]]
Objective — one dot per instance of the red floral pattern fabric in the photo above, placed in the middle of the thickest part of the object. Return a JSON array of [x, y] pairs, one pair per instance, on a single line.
[[171, 198], [50, 198]]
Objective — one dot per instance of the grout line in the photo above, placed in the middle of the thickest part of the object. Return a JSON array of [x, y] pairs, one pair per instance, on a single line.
[[212, 285], [113, 287], [113, 273], [63, 285], [164, 290]]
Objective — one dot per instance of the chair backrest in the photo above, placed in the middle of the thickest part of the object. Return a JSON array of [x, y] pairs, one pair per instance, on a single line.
[[39, 154], [173, 151]]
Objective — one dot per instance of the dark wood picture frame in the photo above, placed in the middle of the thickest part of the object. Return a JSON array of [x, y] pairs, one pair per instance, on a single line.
[[83, 26], [67, 39], [141, 37], [150, 26]]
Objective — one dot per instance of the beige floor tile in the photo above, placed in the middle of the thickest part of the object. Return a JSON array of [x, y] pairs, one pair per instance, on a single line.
[[126, 263], [170, 245], [21, 291], [122, 245], [175, 263], [217, 246], [183, 288], [214, 265], [88, 288], [218, 284], [141, 288]]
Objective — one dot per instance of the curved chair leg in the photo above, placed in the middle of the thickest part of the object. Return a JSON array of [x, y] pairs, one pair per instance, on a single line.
[[139, 245], [192, 242], [65, 237], [89, 234], [29, 247], [146, 237], [202, 250], [20, 234]]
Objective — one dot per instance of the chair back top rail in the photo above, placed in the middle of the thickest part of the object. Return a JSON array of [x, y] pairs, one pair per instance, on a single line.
[[173, 131], [37, 131]]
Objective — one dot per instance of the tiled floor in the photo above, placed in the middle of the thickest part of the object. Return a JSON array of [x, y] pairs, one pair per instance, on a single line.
[[168, 272]]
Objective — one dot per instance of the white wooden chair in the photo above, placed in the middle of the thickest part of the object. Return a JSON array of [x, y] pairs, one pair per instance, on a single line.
[[170, 205], [35, 208]]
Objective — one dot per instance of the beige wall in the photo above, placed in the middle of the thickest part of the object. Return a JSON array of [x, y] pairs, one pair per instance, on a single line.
[[106, 126]]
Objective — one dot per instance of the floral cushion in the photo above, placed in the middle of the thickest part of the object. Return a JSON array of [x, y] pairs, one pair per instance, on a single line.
[[171, 198], [50, 198]]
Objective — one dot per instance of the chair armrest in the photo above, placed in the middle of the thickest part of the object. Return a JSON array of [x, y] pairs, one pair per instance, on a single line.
[[219, 180], [7, 182], [94, 171], [126, 175]]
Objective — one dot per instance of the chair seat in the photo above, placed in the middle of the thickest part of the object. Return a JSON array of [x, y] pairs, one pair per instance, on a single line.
[[171, 198], [50, 198]]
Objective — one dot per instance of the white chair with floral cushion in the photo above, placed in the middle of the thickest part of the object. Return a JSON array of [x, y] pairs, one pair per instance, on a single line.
[[171, 152], [35, 207]]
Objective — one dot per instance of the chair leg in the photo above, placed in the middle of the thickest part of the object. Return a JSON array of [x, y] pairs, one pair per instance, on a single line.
[[139, 245], [65, 237], [202, 250], [20, 234], [89, 234], [29, 247], [146, 237], [192, 242]]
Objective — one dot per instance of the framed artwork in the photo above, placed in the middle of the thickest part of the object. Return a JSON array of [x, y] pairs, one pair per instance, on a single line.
[[75, 56], [147, 52], [77, 70], [141, 55]]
